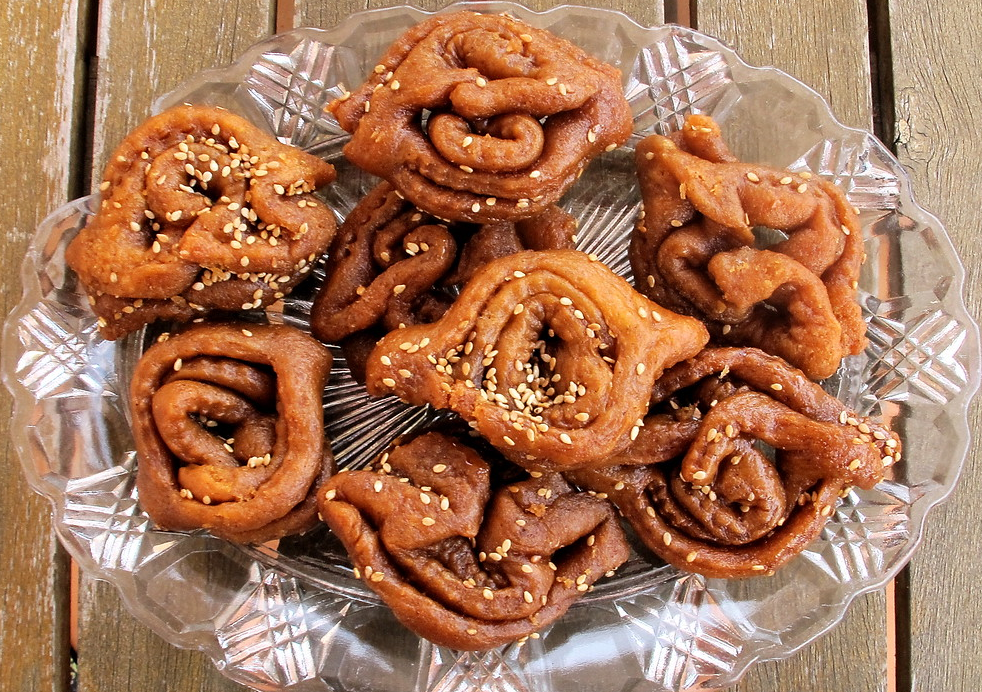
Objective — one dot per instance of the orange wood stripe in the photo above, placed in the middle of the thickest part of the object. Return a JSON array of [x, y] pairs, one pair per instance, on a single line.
[[286, 10]]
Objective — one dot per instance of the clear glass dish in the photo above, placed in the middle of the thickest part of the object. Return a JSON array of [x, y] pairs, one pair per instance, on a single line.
[[291, 614]]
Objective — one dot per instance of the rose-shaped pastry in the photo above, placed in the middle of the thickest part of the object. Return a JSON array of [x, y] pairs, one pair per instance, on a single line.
[[229, 432], [392, 265], [722, 507], [200, 210], [461, 565], [549, 355], [692, 249], [477, 117]]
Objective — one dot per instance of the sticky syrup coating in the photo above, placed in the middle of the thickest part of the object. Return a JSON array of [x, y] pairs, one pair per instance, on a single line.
[[460, 563], [200, 210], [229, 430], [704, 494], [550, 356], [693, 249], [481, 117]]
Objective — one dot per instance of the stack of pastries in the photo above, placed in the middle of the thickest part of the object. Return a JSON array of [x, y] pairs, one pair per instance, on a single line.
[[684, 408]]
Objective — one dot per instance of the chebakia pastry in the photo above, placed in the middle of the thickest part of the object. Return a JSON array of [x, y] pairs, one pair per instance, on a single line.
[[752, 460], [478, 117], [461, 563], [393, 265], [229, 430], [693, 249], [549, 355], [200, 210]]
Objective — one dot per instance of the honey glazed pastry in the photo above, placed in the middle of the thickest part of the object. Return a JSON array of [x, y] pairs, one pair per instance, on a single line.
[[460, 563], [392, 265], [479, 117], [693, 249], [707, 497], [200, 210], [550, 356], [229, 430]]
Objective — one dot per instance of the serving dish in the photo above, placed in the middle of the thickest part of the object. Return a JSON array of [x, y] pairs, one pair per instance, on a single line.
[[291, 614]]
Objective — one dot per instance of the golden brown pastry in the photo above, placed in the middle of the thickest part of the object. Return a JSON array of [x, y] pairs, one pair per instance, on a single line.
[[693, 249], [393, 265], [477, 117], [462, 565], [200, 210], [549, 355], [706, 496], [229, 430]]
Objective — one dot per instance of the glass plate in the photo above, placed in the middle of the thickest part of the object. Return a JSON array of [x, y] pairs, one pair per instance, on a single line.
[[291, 614]]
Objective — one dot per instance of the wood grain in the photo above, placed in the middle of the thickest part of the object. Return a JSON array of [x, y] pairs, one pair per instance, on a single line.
[[938, 110], [42, 83], [326, 15], [826, 46], [145, 49]]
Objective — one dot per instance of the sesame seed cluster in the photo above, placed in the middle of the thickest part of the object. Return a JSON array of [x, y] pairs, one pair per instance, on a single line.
[[694, 249], [481, 117], [200, 210]]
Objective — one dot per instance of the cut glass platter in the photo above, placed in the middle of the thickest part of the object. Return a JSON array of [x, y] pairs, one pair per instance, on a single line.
[[291, 615]]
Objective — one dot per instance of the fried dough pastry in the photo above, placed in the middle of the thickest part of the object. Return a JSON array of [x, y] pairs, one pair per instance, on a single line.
[[229, 432], [393, 265], [200, 210], [459, 564], [693, 249], [479, 117], [721, 507], [549, 355]]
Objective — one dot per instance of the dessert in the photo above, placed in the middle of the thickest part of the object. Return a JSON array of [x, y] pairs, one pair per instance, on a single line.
[[200, 210], [694, 249], [708, 498], [479, 117], [549, 355], [460, 563], [393, 265], [229, 430]]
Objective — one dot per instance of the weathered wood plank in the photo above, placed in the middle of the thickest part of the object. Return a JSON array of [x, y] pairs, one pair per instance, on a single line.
[[43, 82], [326, 15], [145, 49], [938, 119], [826, 46]]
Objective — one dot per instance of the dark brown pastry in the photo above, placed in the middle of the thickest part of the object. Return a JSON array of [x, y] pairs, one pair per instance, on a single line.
[[549, 355], [229, 430], [693, 249], [462, 565], [392, 265], [200, 210], [704, 494], [478, 117]]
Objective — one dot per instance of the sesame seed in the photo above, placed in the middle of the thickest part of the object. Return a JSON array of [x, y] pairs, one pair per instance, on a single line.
[[758, 568], [786, 180], [509, 441], [566, 438], [388, 382], [640, 368], [535, 174], [178, 364], [691, 557], [488, 594], [398, 289], [525, 37], [777, 386], [803, 187], [610, 147], [481, 82], [699, 475], [753, 177]]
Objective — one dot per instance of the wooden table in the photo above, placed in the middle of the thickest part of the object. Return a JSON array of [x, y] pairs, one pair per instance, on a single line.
[[82, 72]]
